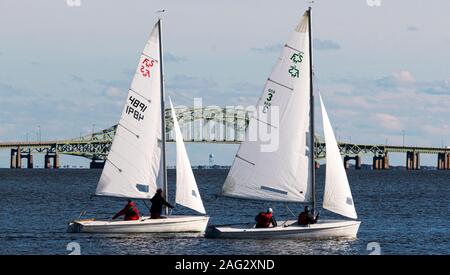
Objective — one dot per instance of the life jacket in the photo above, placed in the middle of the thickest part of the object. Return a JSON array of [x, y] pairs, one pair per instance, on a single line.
[[132, 213], [264, 220], [303, 218]]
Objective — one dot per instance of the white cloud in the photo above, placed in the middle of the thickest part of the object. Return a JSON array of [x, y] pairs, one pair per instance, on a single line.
[[437, 130], [403, 76], [397, 79], [113, 91], [388, 121], [371, 112]]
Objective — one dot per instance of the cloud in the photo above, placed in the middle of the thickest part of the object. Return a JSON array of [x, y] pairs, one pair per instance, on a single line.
[[114, 92], [403, 76], [438, 88], [412, 29], [388, 121], [325, 45], [76, 78], [396, 79], [383, 111], [8, 90], [247, 87], [168, 57], [116, 83], [185, 82], [318, 45], [437, 130], [268, 49]]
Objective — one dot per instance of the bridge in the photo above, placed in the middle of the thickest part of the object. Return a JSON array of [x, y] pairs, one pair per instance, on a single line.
[[209, 125]]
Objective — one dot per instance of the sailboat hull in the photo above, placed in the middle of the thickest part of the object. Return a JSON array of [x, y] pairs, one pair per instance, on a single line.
[[323, 229], [172, 224]]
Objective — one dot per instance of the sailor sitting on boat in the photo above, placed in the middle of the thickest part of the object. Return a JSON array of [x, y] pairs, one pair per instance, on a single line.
[[158, 201], [264, 220], [306, 217], [130, 211]]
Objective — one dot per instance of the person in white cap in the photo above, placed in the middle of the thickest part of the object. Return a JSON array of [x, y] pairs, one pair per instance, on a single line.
[[265, 219]]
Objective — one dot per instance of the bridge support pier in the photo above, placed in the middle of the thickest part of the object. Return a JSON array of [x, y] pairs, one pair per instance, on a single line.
[[412, 161], [30, 161], [386, 161], [378, 163], [48, 161], [443, 161], [13, 158], [29, 158], [16, 158], [448, 161], [358, 162], [97, 164]]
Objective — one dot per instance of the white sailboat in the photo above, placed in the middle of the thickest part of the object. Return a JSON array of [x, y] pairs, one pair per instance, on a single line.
[[288, 173], [136, 164]]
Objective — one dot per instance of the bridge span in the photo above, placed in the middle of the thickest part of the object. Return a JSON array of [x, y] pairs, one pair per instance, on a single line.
[[209, 125]]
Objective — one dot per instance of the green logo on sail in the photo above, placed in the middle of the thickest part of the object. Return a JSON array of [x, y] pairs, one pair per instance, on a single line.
[[294, 72], [295, 58]]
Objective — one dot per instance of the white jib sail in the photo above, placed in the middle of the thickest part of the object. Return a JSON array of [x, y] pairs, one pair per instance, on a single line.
[[337, 195], [187, 193], [278, 170], [133, 166]]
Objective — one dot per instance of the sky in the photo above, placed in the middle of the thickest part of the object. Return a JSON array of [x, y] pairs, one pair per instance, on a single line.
[[382, 69]]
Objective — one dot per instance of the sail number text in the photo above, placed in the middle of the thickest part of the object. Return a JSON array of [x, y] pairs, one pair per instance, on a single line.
[[135, 108], [146, 64], [268, 101]]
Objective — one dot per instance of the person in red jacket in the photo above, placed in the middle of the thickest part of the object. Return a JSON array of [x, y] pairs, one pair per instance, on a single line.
[[130, 211], [306, 217], [265, 219]]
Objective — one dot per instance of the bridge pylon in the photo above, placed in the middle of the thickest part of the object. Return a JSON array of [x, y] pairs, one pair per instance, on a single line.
[[51, 160], [97, 163]]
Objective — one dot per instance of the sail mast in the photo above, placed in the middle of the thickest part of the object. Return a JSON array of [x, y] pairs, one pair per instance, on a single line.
[[311, 117], [163, 116]]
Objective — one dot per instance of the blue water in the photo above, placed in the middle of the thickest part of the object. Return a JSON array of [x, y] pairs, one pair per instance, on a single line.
[[404, 212]]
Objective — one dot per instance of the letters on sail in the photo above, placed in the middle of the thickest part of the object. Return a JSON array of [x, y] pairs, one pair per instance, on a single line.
[[282, 174], [133, 167]]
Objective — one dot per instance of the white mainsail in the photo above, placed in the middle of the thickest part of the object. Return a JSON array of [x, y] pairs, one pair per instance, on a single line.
[[187, 193], [133, 167], [284, 173], [337, 195]]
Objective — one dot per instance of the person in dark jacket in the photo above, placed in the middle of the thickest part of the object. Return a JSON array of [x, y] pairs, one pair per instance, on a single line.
[[158, 201], [130, 211], [306, 217], [265, 219]]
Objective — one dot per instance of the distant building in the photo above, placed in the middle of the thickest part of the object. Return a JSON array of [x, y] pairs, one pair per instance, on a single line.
[[211, 160]]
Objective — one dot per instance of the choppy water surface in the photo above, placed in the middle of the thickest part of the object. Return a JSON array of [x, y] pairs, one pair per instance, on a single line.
[[405, 212]]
